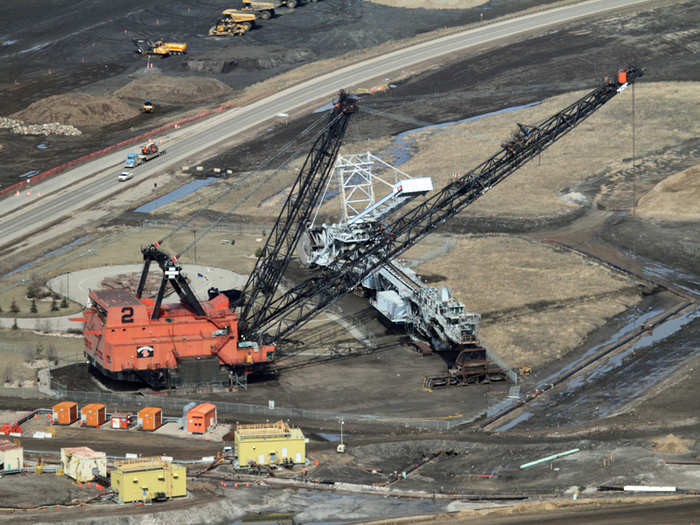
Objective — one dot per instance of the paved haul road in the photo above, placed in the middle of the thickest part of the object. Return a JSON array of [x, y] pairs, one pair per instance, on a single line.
[[96, 180]]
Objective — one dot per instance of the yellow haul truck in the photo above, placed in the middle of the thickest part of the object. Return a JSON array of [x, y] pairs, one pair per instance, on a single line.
[[263, 10], [233, 22]]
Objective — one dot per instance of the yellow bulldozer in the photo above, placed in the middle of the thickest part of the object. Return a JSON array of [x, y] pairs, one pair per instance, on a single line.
[[233, 22], [159, 48], [262, 10]]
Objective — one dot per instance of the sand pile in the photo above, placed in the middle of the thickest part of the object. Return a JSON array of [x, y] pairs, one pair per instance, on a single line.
[[77, 109], [672, 444], [174, 90], [432, 4], [675, 198]]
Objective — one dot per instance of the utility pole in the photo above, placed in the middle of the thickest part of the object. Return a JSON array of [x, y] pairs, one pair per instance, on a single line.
[[634, 157], [194, 236], [341, 447]]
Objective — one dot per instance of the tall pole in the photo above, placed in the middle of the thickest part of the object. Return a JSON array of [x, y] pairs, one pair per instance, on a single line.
[[194, 238], [634, 156]]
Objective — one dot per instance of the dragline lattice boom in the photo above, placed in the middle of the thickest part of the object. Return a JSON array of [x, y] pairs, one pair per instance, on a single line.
[[294, 217], [295, 307]]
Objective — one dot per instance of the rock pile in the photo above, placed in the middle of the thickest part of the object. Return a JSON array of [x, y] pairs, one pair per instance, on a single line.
[[18, 127]]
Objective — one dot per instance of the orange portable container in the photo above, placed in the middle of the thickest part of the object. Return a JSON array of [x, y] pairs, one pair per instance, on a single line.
[[65, 413], [150, 418], [120, 420], [201, 418], [622, 77], [93, 415]]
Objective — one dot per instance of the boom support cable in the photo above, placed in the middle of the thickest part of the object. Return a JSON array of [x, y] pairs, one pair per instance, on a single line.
[[240, 182], [299, 304]]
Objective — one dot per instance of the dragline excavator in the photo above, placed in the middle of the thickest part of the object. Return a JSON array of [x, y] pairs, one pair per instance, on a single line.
[[223, 339]]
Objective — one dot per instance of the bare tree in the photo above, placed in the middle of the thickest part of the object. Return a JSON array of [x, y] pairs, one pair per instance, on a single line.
[[52, 354], [8, 374]]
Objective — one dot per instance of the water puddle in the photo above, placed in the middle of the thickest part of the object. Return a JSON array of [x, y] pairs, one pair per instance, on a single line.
[[327, 107], [62, 249], [174, 195], [634, 321], [685, 281], [9, 42], [43, 145], [403, 146], [34, 48], [328, 437], [625, 376], [28, 174], [522, 417]]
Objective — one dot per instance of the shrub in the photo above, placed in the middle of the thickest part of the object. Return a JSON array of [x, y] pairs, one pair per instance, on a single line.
[[32, 308], [52, 354], [32, 290]]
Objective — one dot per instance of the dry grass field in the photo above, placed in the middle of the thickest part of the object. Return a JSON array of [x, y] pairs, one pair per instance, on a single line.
[[22, 353], [538, 302], [666, 115], [676, 198], [122, 245]]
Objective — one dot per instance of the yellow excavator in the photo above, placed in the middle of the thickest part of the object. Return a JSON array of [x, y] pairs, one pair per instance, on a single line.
[[233, 22]]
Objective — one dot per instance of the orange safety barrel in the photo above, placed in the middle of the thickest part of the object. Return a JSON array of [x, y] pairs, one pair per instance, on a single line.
[[622, 76]]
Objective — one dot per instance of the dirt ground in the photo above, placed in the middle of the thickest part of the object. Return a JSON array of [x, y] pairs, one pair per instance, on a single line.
[[78, 109], [22, 353], [620, 414], [537, 302], [88, 48], [675, 198]]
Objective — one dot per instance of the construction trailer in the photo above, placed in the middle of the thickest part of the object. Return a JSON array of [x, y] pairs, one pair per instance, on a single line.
[[147, 479], [65, 413], [269, 444], [201, 418], [83, 464], [149, 418], [11, 456], [93, 415]]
